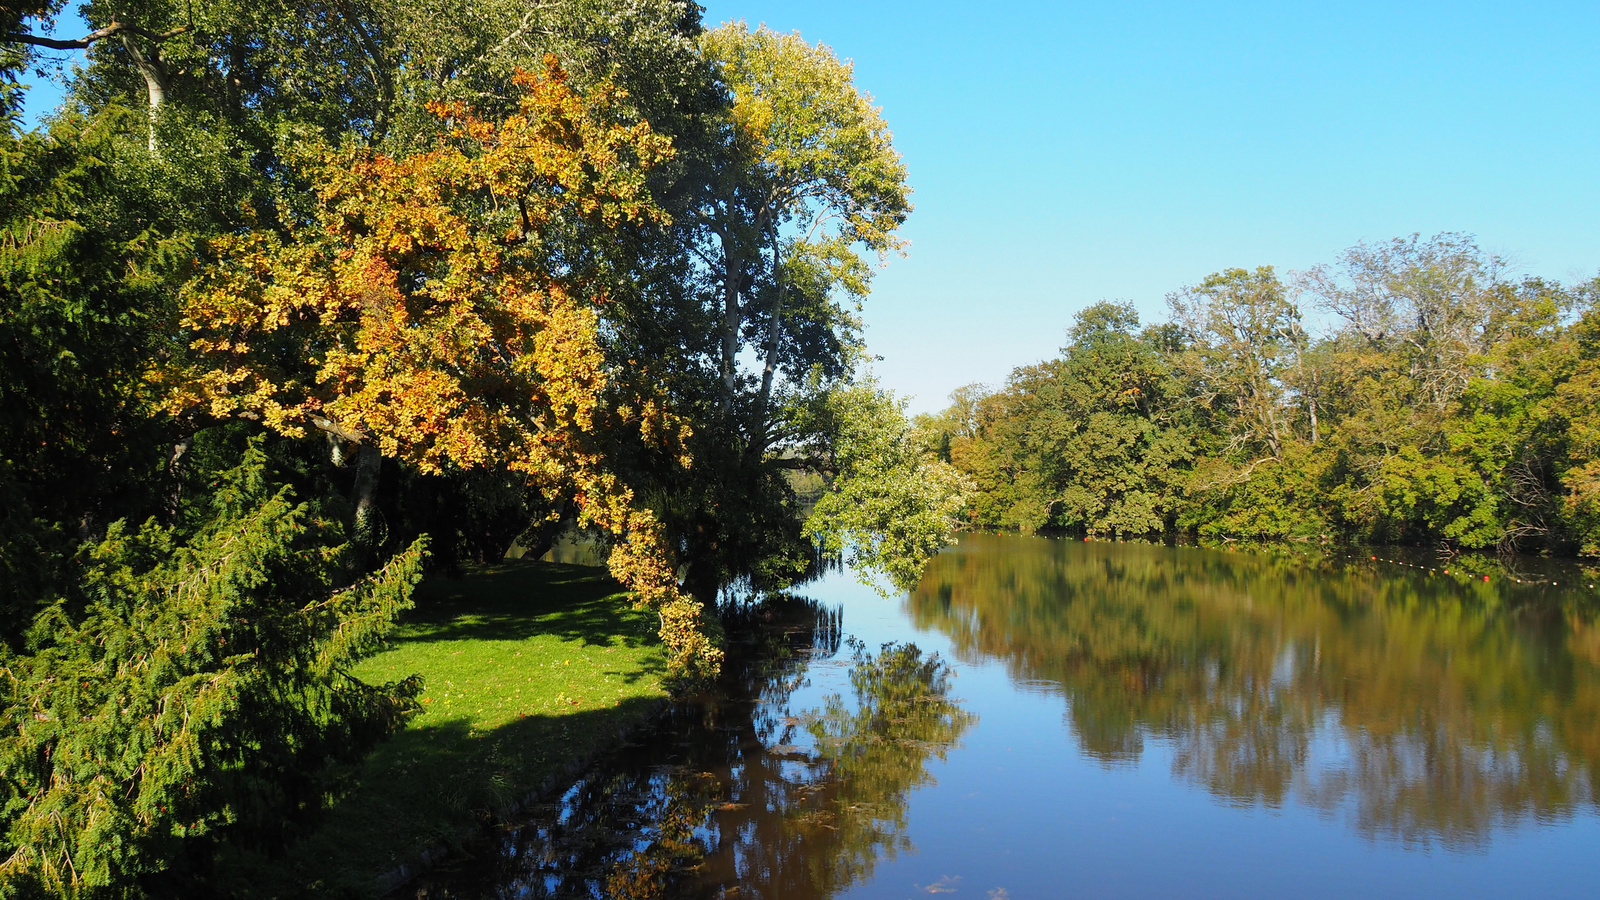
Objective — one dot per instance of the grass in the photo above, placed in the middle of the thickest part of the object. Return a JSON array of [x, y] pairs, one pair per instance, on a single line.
[[528, 666]]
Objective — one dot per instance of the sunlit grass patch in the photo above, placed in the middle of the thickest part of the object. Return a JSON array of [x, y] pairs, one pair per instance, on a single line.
[[527, 667]]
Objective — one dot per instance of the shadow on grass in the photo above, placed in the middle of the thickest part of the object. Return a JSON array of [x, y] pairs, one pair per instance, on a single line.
[[429, 786], [518, 599], [740, 792], [440, 778]]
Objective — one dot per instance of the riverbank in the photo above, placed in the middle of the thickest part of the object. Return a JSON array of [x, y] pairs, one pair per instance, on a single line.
[[528, 667], [1141, 720], [633, 822]]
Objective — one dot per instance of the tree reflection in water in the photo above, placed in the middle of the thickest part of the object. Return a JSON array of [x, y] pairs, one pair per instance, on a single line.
[[1422, 709], [740, 795]]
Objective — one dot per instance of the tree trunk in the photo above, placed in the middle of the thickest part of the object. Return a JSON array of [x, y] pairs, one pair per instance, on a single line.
[[758, 443], [175, 473], [732, 282], [155, 79], [369, 463], [381, 69]]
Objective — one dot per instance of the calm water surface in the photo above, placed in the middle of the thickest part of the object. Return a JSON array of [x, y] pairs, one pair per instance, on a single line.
[[1107, 720]]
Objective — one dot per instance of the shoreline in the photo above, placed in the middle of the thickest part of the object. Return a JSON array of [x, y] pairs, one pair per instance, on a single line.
[[532, 671], [392, 881], [761, 637]]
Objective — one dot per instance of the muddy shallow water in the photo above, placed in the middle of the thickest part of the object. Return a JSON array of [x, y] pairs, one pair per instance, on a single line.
[[1109, 720]]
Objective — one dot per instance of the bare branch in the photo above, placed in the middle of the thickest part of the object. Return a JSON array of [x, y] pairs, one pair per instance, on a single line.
[[115, 28]]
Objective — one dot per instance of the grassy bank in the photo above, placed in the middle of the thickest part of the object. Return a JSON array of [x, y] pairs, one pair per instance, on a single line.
[[528, 666]]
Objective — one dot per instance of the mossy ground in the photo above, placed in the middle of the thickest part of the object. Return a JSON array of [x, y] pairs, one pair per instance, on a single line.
[[528, 666]]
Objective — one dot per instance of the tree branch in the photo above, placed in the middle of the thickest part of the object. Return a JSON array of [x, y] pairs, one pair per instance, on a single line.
[[83, 43], [380, 67], [322, 423], [805, 464]]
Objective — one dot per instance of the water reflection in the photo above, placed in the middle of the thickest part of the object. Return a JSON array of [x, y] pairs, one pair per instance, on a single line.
[[1422, 710], [742, 795]]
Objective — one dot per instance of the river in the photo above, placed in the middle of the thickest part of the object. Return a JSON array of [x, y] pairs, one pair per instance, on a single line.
[[1105, 720]]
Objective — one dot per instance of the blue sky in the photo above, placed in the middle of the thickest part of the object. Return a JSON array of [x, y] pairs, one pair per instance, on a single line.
[[1063, 152]]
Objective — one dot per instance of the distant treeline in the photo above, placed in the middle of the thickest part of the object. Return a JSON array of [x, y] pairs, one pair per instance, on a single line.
[[1440, 402]]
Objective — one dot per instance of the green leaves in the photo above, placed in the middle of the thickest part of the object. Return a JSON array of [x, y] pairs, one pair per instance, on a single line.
[[196, 686], [891, 505], [1450, 406], [811, 141], [1089, 441]]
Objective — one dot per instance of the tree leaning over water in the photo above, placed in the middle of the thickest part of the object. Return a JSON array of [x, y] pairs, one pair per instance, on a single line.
[[304, 288], [412, 320], [799, 193]]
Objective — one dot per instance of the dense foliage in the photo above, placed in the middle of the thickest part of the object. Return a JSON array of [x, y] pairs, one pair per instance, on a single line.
[[292, 291], [1445, 403], [198, 685]]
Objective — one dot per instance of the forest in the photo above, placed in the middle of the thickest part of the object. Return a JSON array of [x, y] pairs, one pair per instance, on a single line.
[[1412, 392], [305, 301]]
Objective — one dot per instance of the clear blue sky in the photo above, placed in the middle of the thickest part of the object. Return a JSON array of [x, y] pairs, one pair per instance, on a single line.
[[1067, 152]]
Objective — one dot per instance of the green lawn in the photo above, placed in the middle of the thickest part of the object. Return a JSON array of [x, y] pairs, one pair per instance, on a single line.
[[527, 666]]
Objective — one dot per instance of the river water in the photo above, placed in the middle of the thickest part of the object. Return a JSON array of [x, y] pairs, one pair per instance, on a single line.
[[1112, 720]]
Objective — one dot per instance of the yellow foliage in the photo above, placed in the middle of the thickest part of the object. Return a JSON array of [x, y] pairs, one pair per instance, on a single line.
[[422, 311]]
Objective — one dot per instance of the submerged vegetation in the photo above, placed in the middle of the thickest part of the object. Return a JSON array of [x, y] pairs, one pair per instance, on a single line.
[[1445, 403]]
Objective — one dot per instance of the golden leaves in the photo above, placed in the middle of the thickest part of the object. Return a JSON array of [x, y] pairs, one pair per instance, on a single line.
[[426, 312], [406, 316]]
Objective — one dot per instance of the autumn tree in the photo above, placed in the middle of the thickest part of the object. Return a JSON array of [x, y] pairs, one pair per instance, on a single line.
[[182, 682], [354, 253], [427, 315]]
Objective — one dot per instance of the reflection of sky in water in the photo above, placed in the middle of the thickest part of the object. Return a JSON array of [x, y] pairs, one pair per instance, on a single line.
[[1258, 748], [1025, 806]]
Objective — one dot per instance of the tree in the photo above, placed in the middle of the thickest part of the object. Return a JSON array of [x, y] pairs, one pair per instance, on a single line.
[[332, 227], [1574, 402], [807, 152], [85, 255], [427, 314], [190, 689], [890, 504], [1429, 300], [777, 208], [1447, 407], [1091, 442], [1243, 329]]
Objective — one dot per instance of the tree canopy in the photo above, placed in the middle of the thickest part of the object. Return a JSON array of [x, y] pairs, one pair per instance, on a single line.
[[1437, 407], [302, 300]]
